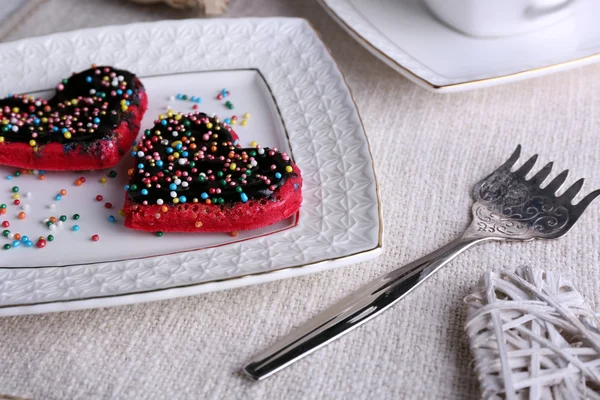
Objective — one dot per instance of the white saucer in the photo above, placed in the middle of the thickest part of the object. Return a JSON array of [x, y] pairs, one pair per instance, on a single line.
[[408, 38]]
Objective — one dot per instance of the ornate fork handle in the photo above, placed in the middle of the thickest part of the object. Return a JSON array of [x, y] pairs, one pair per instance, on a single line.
[[355, 309], [508, 206]]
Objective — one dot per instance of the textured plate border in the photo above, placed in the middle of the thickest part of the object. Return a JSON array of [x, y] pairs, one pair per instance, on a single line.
[[341, 219], [381, 47]]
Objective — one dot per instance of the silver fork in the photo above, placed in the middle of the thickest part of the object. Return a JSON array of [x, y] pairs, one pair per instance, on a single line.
[[508, 206]]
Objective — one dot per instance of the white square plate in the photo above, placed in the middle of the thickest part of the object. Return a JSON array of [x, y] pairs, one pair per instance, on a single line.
[[406, 36], [277, 70]]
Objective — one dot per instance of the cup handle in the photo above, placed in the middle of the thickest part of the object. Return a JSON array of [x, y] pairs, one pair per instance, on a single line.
[[535, 11]]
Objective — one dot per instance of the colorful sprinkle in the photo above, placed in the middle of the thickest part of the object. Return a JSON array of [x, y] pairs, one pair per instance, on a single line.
[[36, 119], [185, 149]]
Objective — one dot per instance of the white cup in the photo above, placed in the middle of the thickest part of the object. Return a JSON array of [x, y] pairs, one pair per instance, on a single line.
[[494, 18]]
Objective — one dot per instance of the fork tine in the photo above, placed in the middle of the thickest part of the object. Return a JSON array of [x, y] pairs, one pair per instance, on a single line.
[[542, 174], [526, 168], [571, 192], [513, 158], [587, 200], [557, 182]]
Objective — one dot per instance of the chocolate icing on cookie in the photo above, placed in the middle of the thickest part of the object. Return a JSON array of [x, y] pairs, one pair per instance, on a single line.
[[193, 158], [86, 107]]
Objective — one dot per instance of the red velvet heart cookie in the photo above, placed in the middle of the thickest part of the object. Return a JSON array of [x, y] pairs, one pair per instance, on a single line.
[[191, 177], [90, 123]]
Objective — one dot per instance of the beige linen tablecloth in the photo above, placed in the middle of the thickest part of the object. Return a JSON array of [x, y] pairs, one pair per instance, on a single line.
[[429, 149]]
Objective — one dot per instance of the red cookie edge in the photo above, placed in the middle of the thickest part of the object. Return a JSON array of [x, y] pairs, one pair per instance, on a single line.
[[102, 153], [253, 214]]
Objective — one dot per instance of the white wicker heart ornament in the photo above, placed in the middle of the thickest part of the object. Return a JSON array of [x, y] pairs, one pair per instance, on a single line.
[[533, 337]]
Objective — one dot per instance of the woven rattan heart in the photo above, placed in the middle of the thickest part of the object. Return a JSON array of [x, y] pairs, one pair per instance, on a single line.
[[533, 337]]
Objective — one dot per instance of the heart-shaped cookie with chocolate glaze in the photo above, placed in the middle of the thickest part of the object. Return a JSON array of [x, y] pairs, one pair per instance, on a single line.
[[90, 123], [191, 177]]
